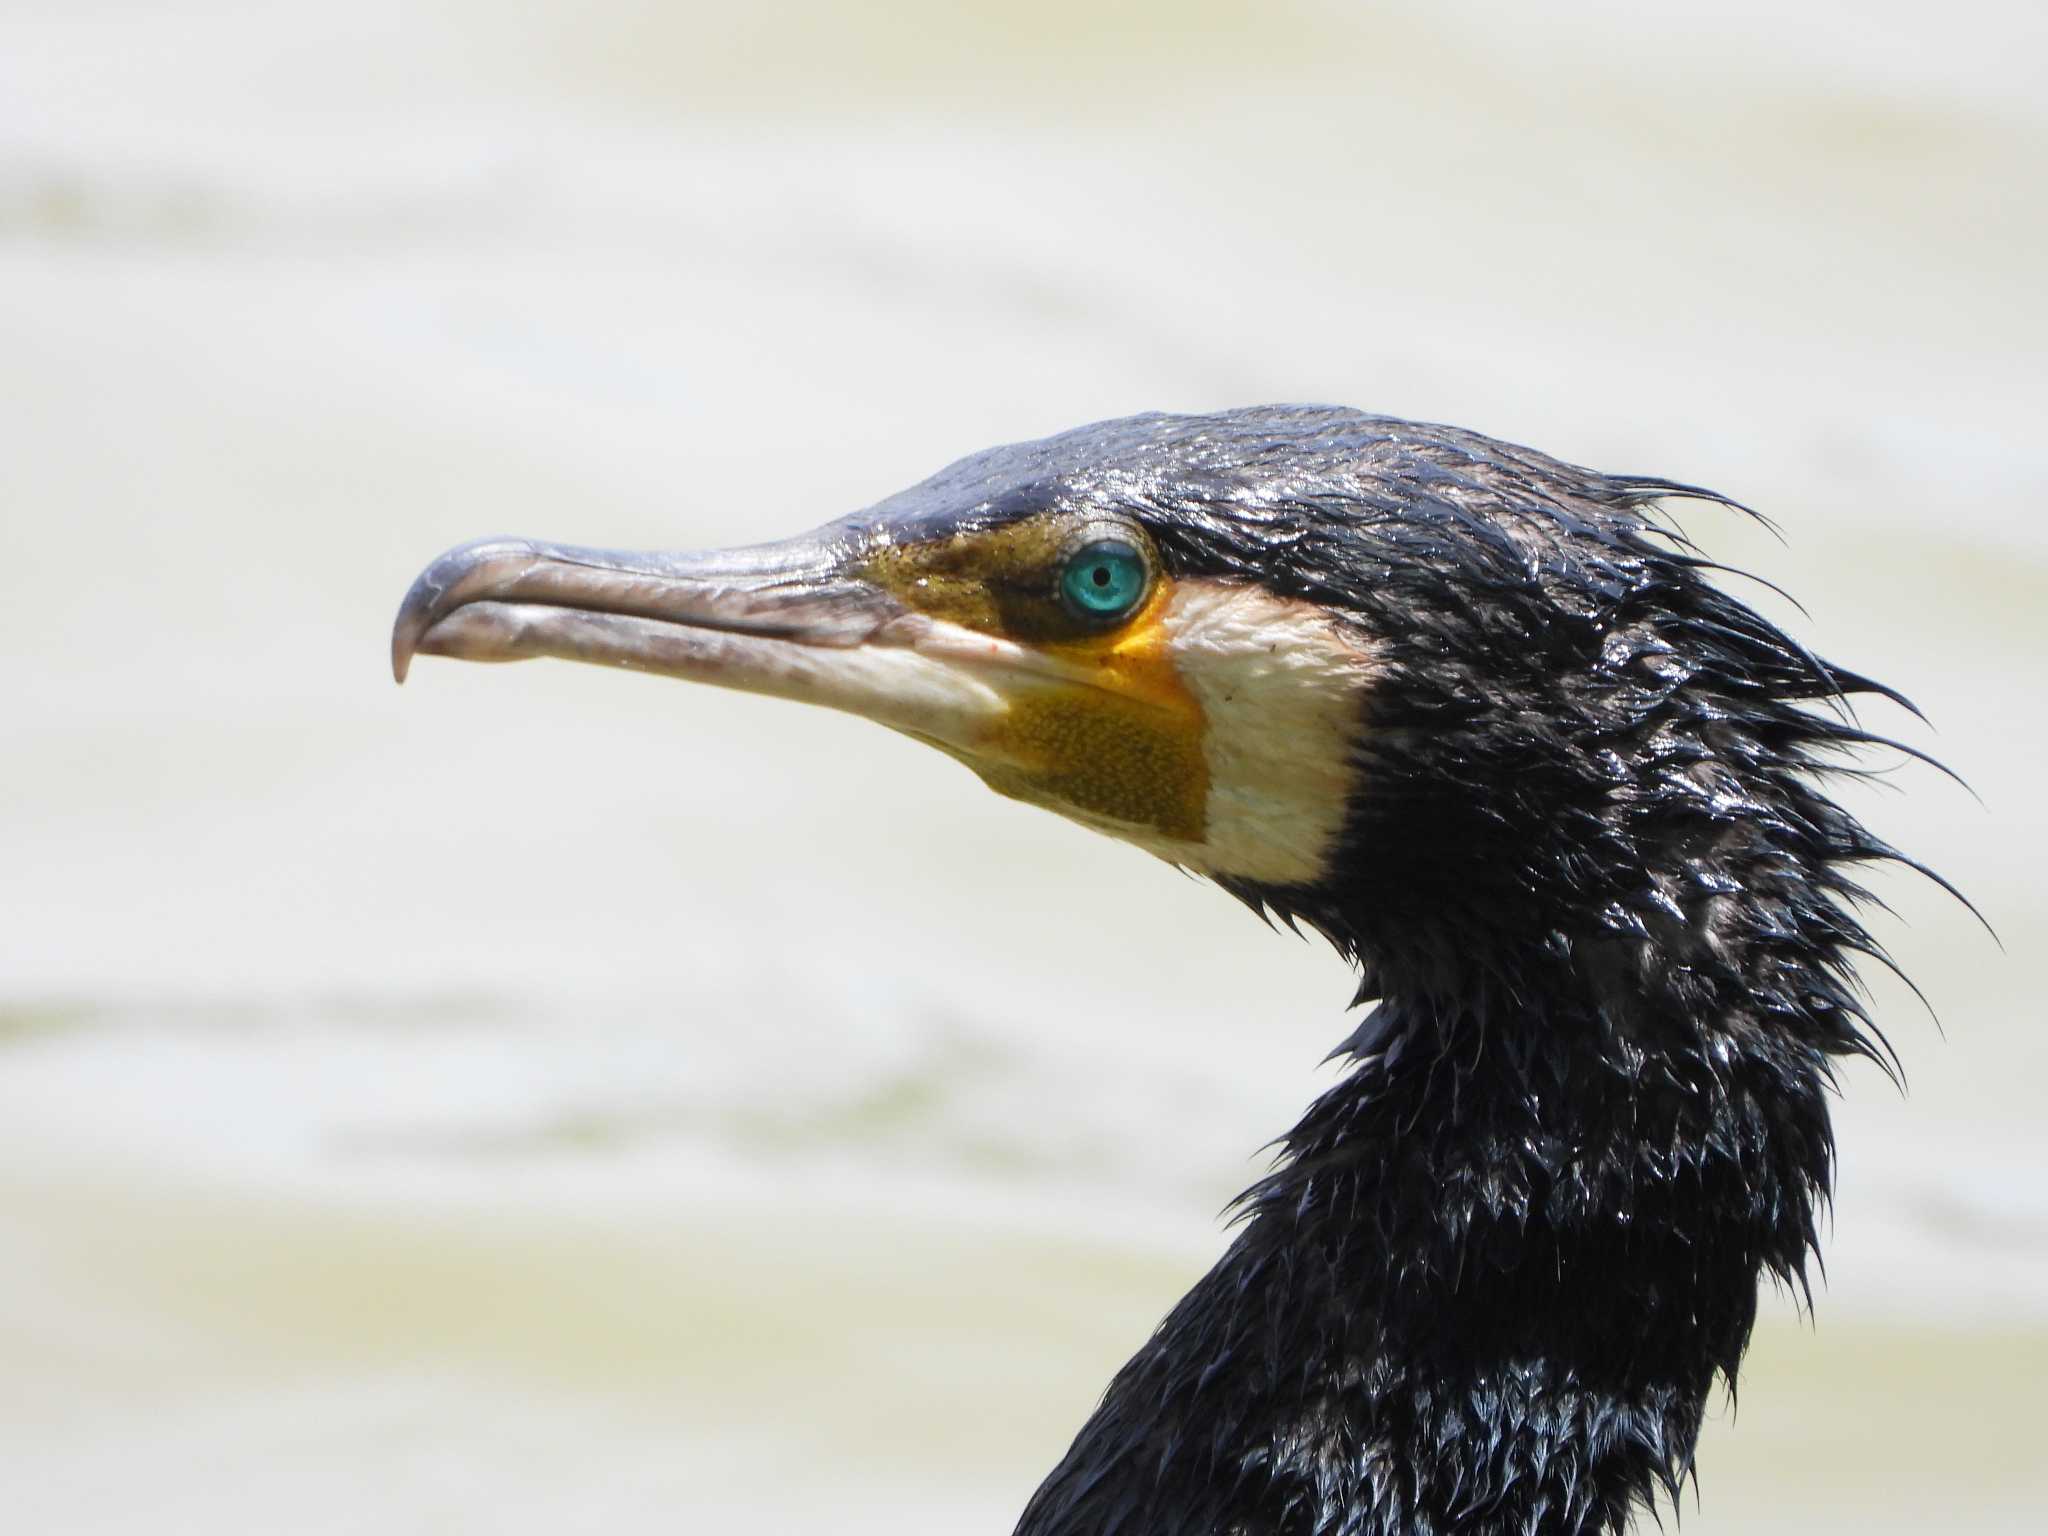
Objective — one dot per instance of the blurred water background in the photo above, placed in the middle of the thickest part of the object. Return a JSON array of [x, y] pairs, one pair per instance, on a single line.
[[546, 1099]]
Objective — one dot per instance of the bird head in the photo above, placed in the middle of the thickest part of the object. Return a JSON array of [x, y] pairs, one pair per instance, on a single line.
[[1032, 611], [1434, 695]]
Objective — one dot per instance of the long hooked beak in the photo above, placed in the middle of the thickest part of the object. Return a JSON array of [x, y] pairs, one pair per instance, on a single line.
[[790, 619]]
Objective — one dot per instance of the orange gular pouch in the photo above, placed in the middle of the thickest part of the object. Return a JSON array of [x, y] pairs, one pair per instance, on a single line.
[[1123, 749], [1100, 727]]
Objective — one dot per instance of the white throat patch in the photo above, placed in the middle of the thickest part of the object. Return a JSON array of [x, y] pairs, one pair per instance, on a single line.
[[1283, 689]]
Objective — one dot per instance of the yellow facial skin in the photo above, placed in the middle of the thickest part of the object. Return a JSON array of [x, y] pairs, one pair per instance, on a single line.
[[1216, 725], [1110, 734]]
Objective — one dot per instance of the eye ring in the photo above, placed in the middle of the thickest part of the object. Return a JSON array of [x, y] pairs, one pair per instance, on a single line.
[[1105, 579]]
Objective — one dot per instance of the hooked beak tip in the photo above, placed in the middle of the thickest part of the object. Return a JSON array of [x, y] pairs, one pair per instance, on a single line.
[[452, 579], [405, 639]]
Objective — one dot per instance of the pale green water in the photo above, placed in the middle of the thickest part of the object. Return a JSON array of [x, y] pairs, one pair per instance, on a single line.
[[544, 1098]]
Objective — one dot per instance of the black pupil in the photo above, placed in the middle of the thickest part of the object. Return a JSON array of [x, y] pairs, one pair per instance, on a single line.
[[1102, 575]]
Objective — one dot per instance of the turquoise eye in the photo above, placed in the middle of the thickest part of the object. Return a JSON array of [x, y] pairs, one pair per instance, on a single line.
[[1104, 580]]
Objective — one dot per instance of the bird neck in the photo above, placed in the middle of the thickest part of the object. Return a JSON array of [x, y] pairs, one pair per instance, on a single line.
[[1487, 1289]]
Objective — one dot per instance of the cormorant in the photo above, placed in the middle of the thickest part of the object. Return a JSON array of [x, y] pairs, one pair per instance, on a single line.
[[1483, 720]]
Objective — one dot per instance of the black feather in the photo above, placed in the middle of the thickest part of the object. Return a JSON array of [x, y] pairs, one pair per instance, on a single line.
[[1607, 912]]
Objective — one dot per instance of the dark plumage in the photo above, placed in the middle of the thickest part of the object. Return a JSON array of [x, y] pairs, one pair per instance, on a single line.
[[1606, 911], [1586, 869]]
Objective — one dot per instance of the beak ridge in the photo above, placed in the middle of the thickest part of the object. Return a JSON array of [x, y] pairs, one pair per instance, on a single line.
[[790, 590]]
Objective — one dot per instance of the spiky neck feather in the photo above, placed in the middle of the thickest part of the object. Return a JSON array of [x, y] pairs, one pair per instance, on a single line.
[[1487, 1291], [1607, 912], [1492, 1282]]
